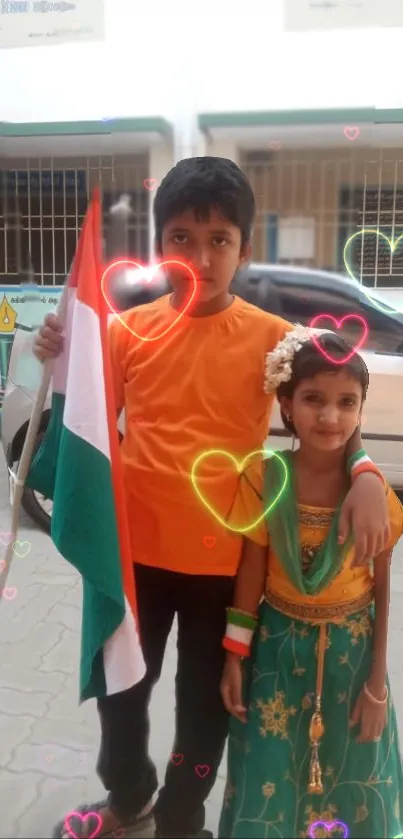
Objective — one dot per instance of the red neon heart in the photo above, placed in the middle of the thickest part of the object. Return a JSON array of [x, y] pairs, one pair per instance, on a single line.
[[338, 324], [156, 268], [176, 759], [150, 184], [202, 770], [209, 541]]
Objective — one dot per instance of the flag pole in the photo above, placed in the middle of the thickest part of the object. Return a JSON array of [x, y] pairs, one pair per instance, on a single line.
[[28, 448]]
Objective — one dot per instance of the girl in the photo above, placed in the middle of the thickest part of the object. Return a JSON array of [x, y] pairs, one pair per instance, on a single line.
[[315, 739]]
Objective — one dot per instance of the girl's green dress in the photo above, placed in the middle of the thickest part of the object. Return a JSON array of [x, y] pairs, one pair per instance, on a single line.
[[266, 795]]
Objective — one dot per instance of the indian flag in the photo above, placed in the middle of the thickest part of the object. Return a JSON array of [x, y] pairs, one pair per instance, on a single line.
[[78, 467]]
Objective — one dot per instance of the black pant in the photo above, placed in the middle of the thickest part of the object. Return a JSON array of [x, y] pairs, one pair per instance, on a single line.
[[124, 765]]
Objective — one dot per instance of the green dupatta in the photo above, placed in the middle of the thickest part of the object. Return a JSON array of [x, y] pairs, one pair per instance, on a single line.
[[283, 527]]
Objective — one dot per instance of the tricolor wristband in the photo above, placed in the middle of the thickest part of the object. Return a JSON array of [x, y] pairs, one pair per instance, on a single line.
[[239, 632], [360, 462]]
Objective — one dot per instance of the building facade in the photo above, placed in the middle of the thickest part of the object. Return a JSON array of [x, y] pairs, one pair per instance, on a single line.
[[320, 178]]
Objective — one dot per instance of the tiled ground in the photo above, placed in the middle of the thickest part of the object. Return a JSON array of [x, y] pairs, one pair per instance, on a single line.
[[48, 745]]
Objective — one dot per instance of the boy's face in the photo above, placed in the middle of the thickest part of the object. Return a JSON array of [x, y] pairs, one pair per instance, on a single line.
[[212, 249]]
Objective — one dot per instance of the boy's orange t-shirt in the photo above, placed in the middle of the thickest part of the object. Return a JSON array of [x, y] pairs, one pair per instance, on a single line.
[[197, 388]]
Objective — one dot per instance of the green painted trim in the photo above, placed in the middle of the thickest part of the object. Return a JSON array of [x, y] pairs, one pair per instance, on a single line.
[[329, 116], [149, 125]]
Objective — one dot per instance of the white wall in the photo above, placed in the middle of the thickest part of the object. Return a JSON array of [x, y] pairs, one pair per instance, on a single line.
[[176, 59]]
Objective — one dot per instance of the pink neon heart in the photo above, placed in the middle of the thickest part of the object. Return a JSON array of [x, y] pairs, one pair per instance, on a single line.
[[83, 818], [6, 538], [202, 770], [131, 263], [150, 184], [338, 324], [351, 132], [9, 593], [328, 827]]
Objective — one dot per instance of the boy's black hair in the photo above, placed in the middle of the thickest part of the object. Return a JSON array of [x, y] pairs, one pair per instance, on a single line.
[[202, 184], [309, 361]]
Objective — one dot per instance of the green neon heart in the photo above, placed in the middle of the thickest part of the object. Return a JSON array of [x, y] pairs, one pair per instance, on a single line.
[[393, 244], [239, 467]]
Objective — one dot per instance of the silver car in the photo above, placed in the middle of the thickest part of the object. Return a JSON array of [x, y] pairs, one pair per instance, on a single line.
[[297, 294]]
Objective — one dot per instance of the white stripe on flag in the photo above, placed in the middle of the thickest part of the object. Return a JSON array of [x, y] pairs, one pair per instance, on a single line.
[[85, 409], [123, 660]]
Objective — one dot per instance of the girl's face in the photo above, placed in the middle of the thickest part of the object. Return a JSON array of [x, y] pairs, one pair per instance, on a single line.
[[325, 409]]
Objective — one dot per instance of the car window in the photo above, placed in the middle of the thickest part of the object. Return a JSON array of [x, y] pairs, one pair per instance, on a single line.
[[302, 298]]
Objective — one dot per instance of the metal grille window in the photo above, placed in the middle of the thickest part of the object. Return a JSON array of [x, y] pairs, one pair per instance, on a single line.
[[311, 202], [43, 203]]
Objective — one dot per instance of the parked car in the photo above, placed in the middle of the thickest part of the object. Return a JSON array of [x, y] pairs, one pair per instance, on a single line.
[[296, 294]]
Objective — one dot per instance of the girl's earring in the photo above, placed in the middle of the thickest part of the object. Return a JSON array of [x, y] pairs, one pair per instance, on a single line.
[[289, 417]]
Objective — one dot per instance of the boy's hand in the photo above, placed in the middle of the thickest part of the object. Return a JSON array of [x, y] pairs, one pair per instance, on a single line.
[[373, 718], [231, 687], [48, 342], [365, 510]]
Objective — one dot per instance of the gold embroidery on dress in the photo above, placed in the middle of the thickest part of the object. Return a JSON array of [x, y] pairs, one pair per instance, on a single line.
[[315, 518]]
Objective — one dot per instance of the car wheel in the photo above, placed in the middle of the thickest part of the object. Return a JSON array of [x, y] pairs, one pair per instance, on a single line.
[[34, 503]]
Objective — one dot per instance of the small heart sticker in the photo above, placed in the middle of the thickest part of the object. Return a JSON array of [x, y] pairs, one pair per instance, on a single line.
[[351, 132], [150, 274], [202, 770], [209, 541], [82, 818], [176, 759], [339, 324], [6, 538], [150, 184], [239, 465], [10, 593], [327, 826], [21, 549]]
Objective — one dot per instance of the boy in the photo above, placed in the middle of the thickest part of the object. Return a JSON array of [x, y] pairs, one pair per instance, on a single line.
[[197, 388]]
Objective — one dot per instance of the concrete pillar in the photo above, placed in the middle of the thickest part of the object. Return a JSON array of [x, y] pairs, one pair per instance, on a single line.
[[223, 148]]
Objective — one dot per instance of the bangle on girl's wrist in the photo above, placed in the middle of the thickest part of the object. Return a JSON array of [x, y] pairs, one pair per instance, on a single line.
[[373, 698], [239, 632], [360, 462]]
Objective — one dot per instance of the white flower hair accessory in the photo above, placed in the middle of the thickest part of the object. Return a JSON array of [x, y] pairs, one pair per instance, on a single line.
[[278, 366]]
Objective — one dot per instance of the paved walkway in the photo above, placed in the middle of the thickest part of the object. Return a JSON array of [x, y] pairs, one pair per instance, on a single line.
[[48, 745]]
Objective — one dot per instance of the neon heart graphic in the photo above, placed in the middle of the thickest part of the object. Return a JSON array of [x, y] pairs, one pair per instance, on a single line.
[[239, 467], [6, 538], [83, 817], [150, 276], [328, 826], [10, 593], [209, 541], [351, 132], [176, 759], [150, 184], [21, 549], [339, 323], [202, 770], [393, 245]]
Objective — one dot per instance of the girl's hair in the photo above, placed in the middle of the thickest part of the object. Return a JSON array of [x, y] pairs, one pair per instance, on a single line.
[[202, 184], [309, 361]]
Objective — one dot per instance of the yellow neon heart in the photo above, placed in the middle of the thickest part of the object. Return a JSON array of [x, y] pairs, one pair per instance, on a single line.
[[239, 467], [393, 244]]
